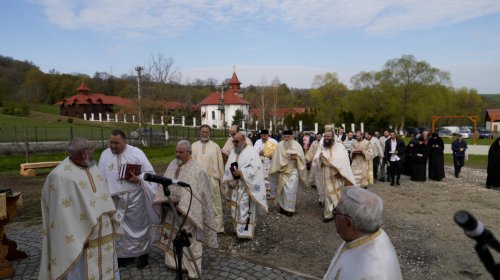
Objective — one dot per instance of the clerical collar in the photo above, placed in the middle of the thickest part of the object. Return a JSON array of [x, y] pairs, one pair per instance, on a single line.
[[363, 240], [204, 141]]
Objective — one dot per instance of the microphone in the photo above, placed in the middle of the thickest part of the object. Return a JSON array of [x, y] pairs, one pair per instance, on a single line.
[[163, 180], [475, 229]]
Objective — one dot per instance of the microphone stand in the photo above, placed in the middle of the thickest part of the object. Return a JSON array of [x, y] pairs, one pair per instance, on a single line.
[[482, 250], [181, 239]]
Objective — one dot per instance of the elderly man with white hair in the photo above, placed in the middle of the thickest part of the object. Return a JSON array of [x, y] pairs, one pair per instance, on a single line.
[[367, 252]]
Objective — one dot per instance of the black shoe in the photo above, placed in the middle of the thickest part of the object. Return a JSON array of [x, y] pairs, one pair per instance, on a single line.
[[382, 180], [392, 183], [124, 261], [320, 204], [143, 261], [397, 183], [327, 220]]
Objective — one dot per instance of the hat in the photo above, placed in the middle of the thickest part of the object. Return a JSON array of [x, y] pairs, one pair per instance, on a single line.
[[287, 132], [264, 131], [329, 127]]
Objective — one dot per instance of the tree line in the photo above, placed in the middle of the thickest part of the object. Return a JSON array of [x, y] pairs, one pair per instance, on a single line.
[[405, 92]]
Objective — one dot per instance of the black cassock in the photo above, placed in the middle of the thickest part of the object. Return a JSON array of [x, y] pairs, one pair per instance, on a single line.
[[436, 158], [408, 163], [419, 163], [493, 178]]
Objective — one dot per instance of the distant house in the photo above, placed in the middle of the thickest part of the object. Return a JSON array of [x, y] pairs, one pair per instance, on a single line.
[[91, 104], [218, 108], [492, 119]]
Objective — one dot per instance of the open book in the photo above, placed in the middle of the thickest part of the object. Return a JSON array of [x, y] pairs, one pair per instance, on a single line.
[[127, 169]]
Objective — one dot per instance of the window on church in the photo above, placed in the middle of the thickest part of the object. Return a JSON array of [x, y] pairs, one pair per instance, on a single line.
[[213, 115]]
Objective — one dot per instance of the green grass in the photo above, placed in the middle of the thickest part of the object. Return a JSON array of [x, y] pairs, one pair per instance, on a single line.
[[45, 108], [474, 161]]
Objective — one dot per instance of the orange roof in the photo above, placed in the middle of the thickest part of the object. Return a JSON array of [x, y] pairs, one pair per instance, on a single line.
[[234, 79], [492, 115], [230, 98], [82, 87], [95, 98]]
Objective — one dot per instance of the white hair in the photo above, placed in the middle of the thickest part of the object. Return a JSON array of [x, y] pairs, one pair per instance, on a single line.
[[364, 207], [77, 145], [185, 143]]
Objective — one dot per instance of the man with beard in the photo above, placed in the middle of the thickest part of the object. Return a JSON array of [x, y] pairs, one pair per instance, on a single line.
[[132, 196], [419, 160], [459, 146], [493, 178], [377, 153], [336, 172], [77, 215], [288, 171], [266, 146], [394, 155], [208, 155], [228, 146], [362, 166], [244, 185], [383, 164], [200, 222], [436, 157]]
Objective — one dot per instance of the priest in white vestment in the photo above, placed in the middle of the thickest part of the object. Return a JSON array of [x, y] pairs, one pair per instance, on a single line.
[[362, 164], [229, 146], [133, 197], [336, 172], [78, 229], [266, 146], [200, 222], [244, 185], [367, 252], [208, 155], [314, 176], [288, 172]]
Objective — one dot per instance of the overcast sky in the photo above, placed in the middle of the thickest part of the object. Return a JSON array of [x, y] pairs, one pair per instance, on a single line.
[[293, 40]]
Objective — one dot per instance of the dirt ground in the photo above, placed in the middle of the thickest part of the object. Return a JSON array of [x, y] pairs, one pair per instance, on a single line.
[[418, 217]]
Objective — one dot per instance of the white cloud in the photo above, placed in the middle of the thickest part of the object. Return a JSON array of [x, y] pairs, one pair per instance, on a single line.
[[177, 16]]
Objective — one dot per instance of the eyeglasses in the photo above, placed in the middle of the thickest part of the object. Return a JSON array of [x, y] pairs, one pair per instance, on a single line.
[[335, 213], [235, 141]]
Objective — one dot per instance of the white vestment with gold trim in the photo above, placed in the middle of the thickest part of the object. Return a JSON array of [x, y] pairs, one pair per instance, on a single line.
[[369, 257], [336, 173], [209, 158], [362, 164], [200, 219], [245, 193], [78, 226]]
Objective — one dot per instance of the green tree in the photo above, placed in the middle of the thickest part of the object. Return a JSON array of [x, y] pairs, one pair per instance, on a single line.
[[327, 95], [238, 117]]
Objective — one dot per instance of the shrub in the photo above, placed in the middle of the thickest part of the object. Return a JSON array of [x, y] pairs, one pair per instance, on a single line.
[[70, 120]]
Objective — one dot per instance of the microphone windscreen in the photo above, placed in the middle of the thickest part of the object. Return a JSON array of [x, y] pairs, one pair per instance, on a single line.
[[465, 220]]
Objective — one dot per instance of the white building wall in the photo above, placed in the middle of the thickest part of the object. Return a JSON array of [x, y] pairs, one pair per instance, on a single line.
[[230, 111]]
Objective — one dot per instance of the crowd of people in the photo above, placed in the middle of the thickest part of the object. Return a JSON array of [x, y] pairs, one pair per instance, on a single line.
[[98, 217]]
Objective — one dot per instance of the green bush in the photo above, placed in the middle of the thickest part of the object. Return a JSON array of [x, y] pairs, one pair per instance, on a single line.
[[17, 110], [70, 120]]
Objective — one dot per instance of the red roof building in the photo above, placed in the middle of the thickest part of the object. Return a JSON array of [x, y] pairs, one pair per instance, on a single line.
[[218, 108], [87, 103]]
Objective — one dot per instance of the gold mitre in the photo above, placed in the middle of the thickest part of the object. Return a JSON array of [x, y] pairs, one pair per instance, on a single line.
[[269, 148], [329, 127]]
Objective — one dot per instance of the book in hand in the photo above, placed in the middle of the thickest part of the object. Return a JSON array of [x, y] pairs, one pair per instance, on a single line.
[[128, 169]]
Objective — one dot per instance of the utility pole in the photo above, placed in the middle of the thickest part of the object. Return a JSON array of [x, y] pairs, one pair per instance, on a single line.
[[139, 70]]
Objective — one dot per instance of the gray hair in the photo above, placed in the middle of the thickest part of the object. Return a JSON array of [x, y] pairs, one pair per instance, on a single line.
[[364, 207], [77, 145], [187, 144]]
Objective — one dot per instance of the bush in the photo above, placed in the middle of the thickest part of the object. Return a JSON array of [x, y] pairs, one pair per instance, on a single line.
[[16, 110], [70, 120]]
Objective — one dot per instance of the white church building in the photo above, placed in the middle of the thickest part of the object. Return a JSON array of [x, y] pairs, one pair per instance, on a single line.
[[218, 109]]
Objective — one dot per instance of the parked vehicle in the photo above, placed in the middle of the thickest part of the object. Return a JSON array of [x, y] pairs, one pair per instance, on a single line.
[[483, 133], [465, 133], [443, 132], [147, 133], [453, 129], [412, 131]]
